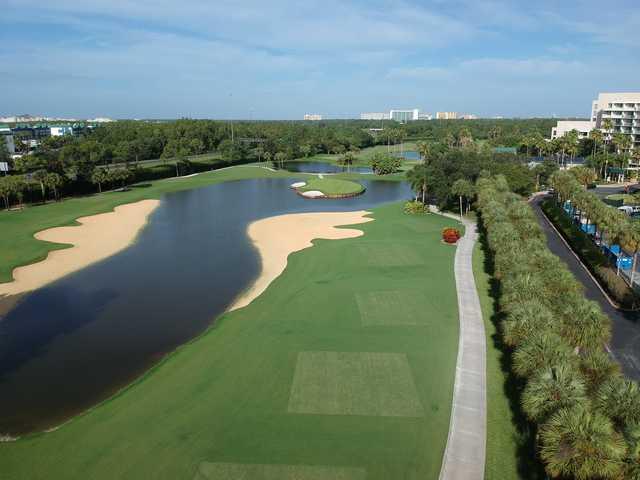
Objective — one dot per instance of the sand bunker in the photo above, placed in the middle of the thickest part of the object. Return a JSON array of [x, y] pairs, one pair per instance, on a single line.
[[98, 237], [298, 184], [313, 194], [277, 237]]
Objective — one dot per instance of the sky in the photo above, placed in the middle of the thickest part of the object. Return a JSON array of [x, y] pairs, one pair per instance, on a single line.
[[280, 59]]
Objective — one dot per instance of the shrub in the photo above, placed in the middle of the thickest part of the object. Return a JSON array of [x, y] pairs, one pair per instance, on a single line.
[[451, 235], [383, 163], [415, 208]]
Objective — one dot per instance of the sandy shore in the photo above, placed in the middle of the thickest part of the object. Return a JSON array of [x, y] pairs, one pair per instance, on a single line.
[[98, 237], [277, 237]]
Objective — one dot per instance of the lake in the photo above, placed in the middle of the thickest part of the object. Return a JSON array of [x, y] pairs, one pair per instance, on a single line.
[[73, 343]]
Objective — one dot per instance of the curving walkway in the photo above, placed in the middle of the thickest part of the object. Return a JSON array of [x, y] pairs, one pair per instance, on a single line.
[[464, 455]]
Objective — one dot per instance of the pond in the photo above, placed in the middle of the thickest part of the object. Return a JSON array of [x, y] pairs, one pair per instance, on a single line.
[[76, 341], [409, 155], [323, 167]]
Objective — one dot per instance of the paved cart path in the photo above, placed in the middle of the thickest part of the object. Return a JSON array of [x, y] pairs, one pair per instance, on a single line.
[[464, 456]]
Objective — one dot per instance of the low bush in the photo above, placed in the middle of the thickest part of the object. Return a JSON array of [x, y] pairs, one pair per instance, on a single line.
[[414, 208], [451, 235], [384, 163]]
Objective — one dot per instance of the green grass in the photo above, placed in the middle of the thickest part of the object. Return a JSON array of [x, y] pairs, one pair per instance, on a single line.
[[332, 186], [510, 452], [619, 199], [234, 401], [363, 157]]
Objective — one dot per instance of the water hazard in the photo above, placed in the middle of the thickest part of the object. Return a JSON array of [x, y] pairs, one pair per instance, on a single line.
[[71, 344]]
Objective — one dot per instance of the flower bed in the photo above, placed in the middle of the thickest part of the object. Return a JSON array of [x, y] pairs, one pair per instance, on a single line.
[[451, 235]]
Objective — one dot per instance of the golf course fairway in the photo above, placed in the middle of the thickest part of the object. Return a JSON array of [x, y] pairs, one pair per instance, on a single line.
[[343, 368]]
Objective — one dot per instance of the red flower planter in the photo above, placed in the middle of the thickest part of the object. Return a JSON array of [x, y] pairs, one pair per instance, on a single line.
[[451, 235]]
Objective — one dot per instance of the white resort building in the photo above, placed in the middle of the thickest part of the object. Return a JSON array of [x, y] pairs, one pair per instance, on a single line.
[[623, 109], [583, 127]]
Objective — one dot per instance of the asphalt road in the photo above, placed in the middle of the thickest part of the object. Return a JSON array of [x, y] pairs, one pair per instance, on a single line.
[[625, 340]]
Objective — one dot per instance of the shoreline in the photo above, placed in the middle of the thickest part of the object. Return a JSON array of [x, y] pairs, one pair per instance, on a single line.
[[96, 238], [277, 237]]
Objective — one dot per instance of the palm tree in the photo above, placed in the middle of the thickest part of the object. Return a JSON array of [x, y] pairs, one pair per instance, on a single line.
[[347, 159], [597, 137], [581, 444], [623, 143], [607, 125], [40, 176], [54, 181], [619, 399], [267, 156], [463, 188], [586, 327], [99, 176], [541, 350], [596, 367], [525, 319], [552, 389], [280, 158], [464, 138], [424, 149], [417, 178]]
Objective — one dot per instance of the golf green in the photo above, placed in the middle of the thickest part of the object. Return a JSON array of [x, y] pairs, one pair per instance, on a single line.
[[343, 368], [332, 187]]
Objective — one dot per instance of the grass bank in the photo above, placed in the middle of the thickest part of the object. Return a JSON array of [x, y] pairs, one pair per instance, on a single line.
[[510, 450], [343, 368]]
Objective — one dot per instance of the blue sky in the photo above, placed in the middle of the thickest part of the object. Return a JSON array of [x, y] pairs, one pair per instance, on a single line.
[[281, 59]]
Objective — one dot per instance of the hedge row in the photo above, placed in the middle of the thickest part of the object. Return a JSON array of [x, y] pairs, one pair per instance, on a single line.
[[587, 415]]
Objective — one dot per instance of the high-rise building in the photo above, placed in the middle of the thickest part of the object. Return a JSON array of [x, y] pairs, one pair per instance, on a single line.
[[374, 116], [446, 115], [313, 116], [623, 110], [404, 116]]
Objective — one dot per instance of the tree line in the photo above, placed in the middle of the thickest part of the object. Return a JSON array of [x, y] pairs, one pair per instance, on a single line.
[[585, 413], [124, 144], [433, 179]]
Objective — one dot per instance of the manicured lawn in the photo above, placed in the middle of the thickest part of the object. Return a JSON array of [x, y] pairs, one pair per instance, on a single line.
[[364, 156], [332, 186], [312, 380], [510, 452]]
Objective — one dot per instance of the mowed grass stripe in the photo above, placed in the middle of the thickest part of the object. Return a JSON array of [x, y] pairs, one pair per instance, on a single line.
[[351, 383], [384, 255], [393, 308], [239, 471]]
